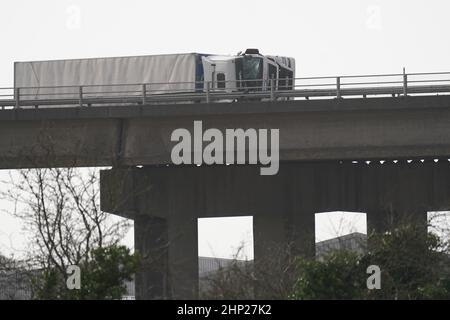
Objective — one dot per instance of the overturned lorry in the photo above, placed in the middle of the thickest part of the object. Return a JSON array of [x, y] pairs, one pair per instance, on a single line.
[[166, 74]]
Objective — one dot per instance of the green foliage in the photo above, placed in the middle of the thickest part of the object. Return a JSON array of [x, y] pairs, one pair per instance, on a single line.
[[412, 267], [411, 263], [338, 276], [47, 285], [102, 276]]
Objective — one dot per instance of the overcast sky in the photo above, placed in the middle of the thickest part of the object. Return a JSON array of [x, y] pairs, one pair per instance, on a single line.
[[325, 37]]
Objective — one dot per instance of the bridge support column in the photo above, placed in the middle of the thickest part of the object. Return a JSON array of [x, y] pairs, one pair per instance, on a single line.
[[170, 258], [165, 231], [151, 241], [274, 233], [396, 194], [278, 240], [381, 219]]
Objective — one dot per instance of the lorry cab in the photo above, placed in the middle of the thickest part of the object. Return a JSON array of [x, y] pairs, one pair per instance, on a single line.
[[248, 71]]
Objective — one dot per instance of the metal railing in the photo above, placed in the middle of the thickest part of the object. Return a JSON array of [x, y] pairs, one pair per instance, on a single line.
[[401, 84]]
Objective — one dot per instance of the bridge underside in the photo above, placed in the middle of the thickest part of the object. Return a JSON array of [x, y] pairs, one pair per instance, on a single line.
[[165, 203]]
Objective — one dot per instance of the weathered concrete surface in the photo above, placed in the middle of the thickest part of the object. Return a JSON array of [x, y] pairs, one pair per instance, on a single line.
[[169, 254], [319, 186], [309, 130], [283, 206]]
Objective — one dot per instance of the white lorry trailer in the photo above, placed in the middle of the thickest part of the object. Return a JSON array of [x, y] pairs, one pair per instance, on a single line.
[[162, 74]]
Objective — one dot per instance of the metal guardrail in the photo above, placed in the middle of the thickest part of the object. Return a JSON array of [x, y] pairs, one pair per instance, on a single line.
[[225, 91]]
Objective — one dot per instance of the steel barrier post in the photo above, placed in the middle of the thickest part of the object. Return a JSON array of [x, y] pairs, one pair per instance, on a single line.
[[144, 94], [17, 94], [208, 84], [338, 87], [80, 96], [272, 90], [405, 84]]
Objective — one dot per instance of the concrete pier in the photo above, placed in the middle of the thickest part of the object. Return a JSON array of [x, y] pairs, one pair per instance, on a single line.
[[166, 202]]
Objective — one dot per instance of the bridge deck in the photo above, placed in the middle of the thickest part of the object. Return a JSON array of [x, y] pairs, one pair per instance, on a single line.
[[340, 129]]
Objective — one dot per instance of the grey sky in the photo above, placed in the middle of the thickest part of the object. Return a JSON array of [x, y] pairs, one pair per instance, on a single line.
[[325, 37]]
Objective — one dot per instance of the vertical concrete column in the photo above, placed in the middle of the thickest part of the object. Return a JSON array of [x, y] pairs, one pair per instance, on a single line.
[[269, 236], [165, 207], [379, 219], [283, 225], [302, 234], [396, 194], [279, 231], [270, 254], [151, 241], [279, 238], [170, 258], [183, 257], [286, 213], [271, 216], [305, 200]]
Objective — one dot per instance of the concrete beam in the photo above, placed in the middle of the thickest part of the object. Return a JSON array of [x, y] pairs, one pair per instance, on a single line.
[[298, 187], [374, 128]]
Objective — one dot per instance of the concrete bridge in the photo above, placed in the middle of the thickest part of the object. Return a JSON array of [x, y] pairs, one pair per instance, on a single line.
[[324, 146]]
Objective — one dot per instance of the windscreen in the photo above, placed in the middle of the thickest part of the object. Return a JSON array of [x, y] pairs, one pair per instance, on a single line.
[[250, 68]]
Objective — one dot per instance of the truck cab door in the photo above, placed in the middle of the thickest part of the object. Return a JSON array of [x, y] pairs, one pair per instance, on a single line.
[[209, 69], [221, 74]]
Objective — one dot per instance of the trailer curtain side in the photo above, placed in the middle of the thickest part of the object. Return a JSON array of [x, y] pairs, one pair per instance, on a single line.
[[105, 75]]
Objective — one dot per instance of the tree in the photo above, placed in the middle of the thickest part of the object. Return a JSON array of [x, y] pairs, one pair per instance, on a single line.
[[14, 279], [338, 276], [411, 262], [106, 271], [61, 212], [103, 276], [271, 277], [414, 264]]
